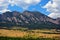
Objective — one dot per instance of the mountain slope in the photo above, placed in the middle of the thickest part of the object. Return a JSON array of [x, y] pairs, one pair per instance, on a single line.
[[28, 19]]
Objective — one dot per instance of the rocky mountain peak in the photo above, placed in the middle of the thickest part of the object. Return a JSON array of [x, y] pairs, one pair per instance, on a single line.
[[28, 19]]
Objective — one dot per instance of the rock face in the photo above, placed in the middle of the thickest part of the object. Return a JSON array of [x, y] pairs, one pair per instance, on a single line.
[[28, 19]]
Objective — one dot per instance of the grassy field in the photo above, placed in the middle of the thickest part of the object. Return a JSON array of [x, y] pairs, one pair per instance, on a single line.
[[25, 34]]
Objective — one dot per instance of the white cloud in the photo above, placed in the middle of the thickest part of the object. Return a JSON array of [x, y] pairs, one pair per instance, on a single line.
[[24, 3], [21, 3], [3, 5], [3, 11], [54, 8], [54, 15]]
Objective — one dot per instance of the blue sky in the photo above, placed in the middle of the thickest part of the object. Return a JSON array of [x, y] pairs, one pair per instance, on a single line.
[[37, 7], [50, 8]]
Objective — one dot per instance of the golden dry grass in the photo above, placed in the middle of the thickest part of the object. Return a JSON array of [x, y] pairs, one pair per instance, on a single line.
[[29, 33]]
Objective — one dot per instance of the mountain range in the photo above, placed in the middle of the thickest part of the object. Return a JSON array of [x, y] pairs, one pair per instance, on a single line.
[[30, 19]]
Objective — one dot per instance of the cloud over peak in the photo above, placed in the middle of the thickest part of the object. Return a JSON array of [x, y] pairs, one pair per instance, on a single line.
[[53, 6]]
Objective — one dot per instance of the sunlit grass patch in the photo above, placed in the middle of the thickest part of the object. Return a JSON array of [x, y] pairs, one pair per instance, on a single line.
[[21, 34]]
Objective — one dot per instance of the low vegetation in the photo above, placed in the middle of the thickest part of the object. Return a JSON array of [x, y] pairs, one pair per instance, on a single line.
[[10, 38]]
